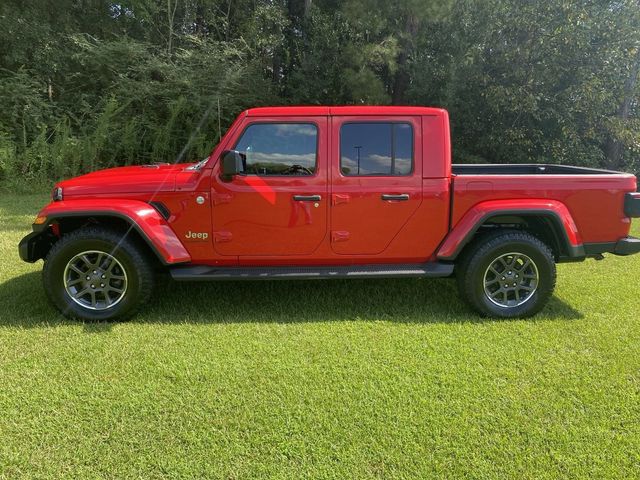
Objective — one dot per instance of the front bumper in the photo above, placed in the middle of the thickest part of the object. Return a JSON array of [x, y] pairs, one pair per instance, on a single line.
[[35, 246]]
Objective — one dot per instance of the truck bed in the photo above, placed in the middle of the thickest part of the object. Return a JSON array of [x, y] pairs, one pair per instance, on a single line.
[[594, 197], [525, 169]]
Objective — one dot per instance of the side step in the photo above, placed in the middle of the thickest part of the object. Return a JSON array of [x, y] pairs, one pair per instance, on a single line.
[[208, 273]]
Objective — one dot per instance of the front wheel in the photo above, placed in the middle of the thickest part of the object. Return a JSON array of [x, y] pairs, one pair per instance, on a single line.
[[95, 273], [507, 274]]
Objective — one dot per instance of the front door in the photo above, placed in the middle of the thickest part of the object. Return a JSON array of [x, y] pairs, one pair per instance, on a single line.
[[279, 205], [376, 174]]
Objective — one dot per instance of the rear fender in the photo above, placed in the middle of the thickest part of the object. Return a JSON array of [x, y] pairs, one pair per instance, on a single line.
[[483, 212], [147, 221]]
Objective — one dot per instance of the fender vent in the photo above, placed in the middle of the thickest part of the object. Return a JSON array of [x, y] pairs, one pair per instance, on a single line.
[[162, 209]]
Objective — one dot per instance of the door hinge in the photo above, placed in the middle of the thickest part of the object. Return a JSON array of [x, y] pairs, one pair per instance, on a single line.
[[222, 236], [219, 198], [339, 236], [339, 198]]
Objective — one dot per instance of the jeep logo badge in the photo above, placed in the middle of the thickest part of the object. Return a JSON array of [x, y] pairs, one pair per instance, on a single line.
[[196, 235]]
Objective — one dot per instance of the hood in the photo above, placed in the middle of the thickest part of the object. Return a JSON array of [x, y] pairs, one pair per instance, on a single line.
[[136, 179]]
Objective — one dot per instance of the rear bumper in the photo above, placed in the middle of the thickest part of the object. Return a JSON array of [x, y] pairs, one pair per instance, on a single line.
[[627, 246], [624, 246]]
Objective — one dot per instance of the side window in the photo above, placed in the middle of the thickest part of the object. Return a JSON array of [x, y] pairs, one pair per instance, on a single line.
[[376, 149], [279, 148]]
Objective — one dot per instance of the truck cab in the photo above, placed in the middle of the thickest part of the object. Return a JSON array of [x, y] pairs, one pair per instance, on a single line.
[[329, 192], [333, 186]]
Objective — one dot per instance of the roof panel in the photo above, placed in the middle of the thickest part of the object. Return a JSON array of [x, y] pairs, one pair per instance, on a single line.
[[341, 110], [288, 111]]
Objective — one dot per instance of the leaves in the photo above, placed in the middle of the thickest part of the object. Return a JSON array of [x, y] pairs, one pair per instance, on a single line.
[[94, 84]]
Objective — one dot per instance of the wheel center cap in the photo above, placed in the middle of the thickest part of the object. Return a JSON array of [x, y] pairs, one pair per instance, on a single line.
[[94, 280]]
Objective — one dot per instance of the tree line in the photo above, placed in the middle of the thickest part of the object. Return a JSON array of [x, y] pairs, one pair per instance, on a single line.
[[87, 84]]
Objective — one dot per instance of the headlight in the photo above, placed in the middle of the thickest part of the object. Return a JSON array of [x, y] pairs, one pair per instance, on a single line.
[[56, 195]]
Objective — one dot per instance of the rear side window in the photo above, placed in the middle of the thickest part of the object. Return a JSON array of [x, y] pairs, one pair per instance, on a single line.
[[376, 149], [279, 148]]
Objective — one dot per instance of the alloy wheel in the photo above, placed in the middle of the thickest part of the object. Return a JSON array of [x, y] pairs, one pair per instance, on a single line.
[[511, 279], [95, 280]]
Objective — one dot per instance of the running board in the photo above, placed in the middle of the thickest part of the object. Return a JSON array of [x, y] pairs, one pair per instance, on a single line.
[[209, 273]]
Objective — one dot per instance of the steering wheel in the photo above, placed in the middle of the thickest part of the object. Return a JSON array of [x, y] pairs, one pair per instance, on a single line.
[[297, 170]]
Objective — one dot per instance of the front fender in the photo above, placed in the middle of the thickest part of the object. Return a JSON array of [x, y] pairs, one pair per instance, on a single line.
[[480, 213], [140, 215]]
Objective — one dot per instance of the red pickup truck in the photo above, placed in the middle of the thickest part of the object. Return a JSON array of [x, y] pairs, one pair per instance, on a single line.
[[328, 192]]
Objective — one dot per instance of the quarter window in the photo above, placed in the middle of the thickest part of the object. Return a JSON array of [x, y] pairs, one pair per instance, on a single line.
[[376, 149], [279, 148]]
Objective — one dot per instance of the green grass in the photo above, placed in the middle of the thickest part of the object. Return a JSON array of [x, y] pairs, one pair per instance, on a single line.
[[343, 379]]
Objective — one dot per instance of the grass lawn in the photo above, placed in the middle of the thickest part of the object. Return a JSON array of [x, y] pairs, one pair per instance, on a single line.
[[342, 379]]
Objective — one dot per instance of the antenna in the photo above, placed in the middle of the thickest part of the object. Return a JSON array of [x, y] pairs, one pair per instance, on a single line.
[[219, 127]]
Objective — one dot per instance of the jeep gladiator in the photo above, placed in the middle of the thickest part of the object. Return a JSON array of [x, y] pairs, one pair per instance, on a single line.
[[328, 192]]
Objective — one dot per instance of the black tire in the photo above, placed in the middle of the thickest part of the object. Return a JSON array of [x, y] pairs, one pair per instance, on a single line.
[[474, 269], [138, 268]]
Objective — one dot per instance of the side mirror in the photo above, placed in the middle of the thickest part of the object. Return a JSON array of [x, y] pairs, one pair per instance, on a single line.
[[232, 164]]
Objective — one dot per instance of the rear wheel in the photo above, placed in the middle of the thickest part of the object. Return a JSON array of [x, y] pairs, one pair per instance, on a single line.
[[507, 274], [96, 273]]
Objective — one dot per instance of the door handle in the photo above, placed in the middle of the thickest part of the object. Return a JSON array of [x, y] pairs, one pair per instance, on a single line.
[[398, 198], [307, 198]]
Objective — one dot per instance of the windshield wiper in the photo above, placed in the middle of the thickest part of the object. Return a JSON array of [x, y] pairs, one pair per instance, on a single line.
[[198, 165]]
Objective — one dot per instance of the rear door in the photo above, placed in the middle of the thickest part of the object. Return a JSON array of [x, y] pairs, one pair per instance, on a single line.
[[279, 205], [376, 175]]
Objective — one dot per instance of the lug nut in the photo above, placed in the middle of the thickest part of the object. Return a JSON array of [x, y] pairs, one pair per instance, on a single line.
[[503, 278], [516, 275], [104, 276], [509, 272], [93, 286], [506, 285], [88, 278], [102, 285], [514, 284], [95, 271]]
